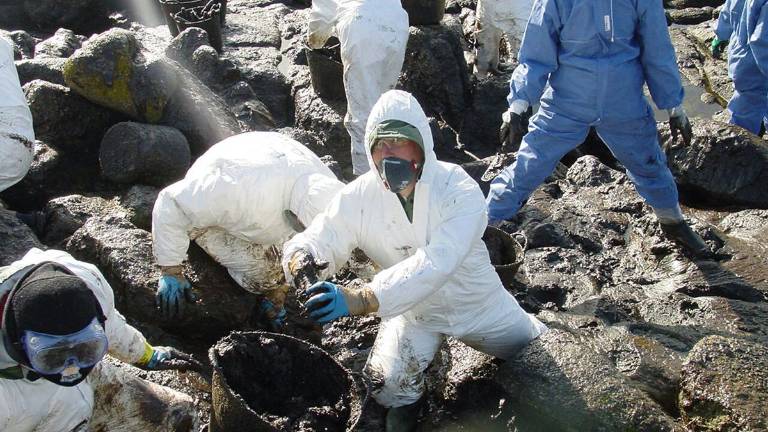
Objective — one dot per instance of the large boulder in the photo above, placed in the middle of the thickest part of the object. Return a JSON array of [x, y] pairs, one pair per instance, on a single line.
[[115, 70], [557, 370], [64, 119], [691, 15], [724, 165], [17, 238], [49, 69], [124, 254], [725, 385], [63, 43], [436, 73], [140, 153]]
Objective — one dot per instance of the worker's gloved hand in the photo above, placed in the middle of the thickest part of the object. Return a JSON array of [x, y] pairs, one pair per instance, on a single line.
[[173, 290], [514, 124], [717, 47], [329, 301], [680, 125], [273, 314], [169, 358]]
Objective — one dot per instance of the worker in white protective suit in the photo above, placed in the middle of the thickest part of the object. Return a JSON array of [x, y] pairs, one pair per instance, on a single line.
[[373, 36], [420, 220], [17, 137], [496, 18], [239, 202], [58, 322]]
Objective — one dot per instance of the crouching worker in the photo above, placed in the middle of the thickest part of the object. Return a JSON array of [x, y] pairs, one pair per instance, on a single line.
[[58, 322], [240, 201], [420, 220]]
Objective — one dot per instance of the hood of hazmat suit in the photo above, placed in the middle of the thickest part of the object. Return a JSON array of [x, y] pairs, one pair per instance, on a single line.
[[436, 269], [748, 64], [17, 135], [242, 186]]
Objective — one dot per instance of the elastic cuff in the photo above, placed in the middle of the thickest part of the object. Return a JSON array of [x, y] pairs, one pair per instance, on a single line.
[[176, 270], [147, 356], [676, 111], [519, 106], [669, 215]]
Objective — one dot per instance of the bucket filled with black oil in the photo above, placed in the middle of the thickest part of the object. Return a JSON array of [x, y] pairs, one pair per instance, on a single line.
[[204, 17], [272, 382], [424, 12], [506, 252], [172, 7], [326, 70]]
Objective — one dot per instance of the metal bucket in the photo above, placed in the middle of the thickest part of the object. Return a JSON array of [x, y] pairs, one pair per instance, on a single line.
[[424, 12], [211, 25], [172, 7], [507, 254], [272, 382], [326, 71]]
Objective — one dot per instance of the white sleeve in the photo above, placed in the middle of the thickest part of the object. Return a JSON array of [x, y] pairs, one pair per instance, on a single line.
[[331, 235], [464, 218], [190, 203]]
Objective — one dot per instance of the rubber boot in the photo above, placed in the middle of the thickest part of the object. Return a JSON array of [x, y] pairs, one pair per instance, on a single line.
[[681, 233], [404, 418]]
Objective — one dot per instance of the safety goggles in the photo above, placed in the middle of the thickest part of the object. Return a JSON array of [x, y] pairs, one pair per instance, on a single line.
[[51, 354]]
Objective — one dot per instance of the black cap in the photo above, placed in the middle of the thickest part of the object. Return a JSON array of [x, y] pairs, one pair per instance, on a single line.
[[52, 300]]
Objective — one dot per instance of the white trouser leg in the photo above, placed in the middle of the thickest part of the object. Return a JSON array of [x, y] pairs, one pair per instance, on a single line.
[[254, 267], [396, 365], [43, 406], [503, 329], [17, 154], [125, 402]]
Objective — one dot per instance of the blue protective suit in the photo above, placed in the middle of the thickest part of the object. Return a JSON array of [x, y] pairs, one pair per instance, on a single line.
[[586, 61], [747, 61]]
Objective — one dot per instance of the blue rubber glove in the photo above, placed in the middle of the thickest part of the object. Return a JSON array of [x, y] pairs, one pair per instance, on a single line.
[[275, 316], [172, 292], [326, 303]]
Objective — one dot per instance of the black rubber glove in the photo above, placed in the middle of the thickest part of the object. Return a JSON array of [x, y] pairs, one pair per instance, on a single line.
[[513, 128], [680, 125]]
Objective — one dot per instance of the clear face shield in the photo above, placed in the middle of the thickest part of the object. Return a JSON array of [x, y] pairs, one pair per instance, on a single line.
[[67, 354]]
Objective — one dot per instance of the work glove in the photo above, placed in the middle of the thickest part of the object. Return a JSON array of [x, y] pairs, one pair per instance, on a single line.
[[304, 270], [514, 125], [717, 47], [169, 358], [329, 301], [680, 125], [173, 290], [271, 308]]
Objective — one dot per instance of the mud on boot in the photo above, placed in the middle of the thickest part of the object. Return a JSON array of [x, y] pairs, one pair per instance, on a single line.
[[682, 234], [404, 418]]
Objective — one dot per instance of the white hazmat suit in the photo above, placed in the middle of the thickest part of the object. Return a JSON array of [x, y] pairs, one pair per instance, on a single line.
[[232, 203], [437, 280], [17, 136], [373, 36], [42, 406], [496, 18]]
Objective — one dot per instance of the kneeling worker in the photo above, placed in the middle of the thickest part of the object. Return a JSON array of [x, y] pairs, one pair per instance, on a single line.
[[58, 322], [239, 202], [420, 220]]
